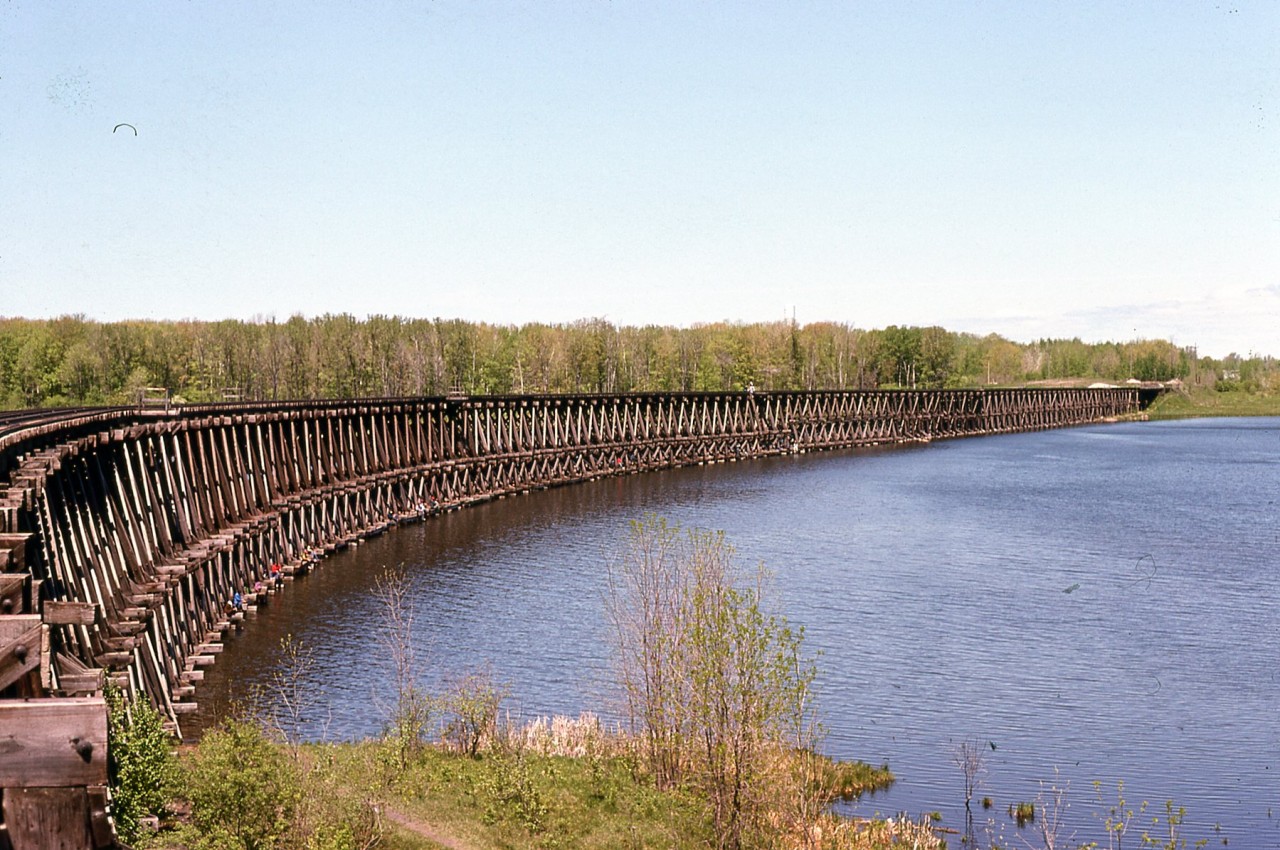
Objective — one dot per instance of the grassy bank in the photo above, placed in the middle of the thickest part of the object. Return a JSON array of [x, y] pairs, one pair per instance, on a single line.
[[514, 800], [559, 788], [1207, 402]]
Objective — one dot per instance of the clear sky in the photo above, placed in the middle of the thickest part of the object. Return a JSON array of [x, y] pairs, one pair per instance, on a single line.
[[1108, 170]]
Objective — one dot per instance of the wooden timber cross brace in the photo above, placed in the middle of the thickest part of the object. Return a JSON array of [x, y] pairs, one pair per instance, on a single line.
[[53, 750], [126, 532]]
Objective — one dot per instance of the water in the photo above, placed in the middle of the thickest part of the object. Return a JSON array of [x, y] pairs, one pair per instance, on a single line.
[[1093, 604]]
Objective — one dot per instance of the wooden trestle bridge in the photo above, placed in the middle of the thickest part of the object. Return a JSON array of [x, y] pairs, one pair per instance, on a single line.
[[124, 532]]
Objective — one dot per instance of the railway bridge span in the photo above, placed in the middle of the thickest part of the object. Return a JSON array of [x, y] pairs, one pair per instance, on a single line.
[[125, 532]]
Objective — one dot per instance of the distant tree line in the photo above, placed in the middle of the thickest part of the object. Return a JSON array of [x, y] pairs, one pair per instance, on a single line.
[[75, 361]]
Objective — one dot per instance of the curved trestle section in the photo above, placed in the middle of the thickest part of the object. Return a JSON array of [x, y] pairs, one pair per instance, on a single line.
[[122, 543]]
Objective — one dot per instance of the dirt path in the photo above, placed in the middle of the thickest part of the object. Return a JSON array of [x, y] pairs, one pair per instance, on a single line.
[[426, 830]]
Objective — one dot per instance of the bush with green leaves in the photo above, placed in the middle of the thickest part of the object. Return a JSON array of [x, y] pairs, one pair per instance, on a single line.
[[244, 790], [512, 794], [474, 701], [141, 766]]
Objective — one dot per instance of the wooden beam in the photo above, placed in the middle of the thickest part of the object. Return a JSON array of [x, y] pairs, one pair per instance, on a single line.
[[52, 743], [19, 648], [88, 682], [118, 658], [13, 551], [104, 832], [46, 663], [48, 817], [11, 587], [69, 613]]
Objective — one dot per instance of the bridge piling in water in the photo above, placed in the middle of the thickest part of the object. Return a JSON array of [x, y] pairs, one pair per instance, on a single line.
[[124, 534]]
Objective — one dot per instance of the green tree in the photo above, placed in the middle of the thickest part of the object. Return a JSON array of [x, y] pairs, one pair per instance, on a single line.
[[936, 355], [900, 356], [81, 373], [457, 341], [717, 686], [141, 767], [37, 366], [71, 360]]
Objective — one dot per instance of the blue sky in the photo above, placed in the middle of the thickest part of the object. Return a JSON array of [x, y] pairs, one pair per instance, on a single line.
[[1104, 170]]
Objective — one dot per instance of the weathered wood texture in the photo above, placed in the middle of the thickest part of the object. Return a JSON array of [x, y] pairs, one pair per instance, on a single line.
[[53, 742], [21, 636], [56, 818]]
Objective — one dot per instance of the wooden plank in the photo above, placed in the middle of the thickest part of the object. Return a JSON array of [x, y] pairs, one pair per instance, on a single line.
[[70, 613], [15, 550], [11, 596], [20, 639], [48, 818], [114, 659], [104, 832], [122, 643], [52, 743], [46, 666], [130, 628], [87, 682]]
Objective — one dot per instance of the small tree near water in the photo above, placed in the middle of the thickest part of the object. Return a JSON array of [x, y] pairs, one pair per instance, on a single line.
[[474, 701], [717, 687], [409, 715]]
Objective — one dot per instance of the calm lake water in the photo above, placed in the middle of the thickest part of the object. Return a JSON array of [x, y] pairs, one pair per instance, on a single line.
[[1092, 604]]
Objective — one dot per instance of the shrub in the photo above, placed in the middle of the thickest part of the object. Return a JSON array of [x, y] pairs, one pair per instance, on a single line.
[[474, 701], [244, 791], [141, 767], [513, 795], [336, 813]]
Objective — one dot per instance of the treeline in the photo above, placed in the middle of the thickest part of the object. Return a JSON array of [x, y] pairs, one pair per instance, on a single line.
[[75, 361]]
